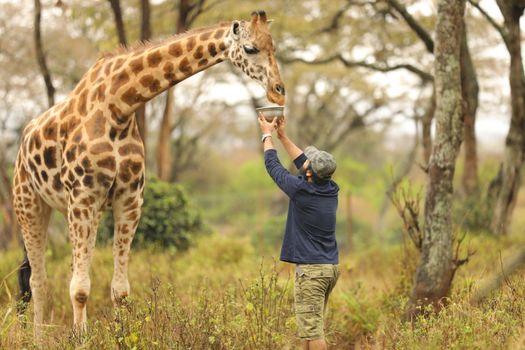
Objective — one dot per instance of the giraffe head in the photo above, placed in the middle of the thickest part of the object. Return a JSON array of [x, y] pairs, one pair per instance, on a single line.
[[252, 50]]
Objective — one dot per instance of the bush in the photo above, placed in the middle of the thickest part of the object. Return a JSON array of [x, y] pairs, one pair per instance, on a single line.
[[168, 217]]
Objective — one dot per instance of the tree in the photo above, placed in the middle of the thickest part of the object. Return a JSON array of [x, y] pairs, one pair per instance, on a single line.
[[40, 55], [436, 266], [503, 189], [145, 34], [188, 12]]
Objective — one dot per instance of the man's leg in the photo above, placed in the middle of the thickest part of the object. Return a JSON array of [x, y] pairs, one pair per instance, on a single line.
[[318, 344]]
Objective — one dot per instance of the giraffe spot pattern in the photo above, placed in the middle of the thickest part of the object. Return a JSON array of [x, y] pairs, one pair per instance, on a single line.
[[175, 49], [136, 65], [107, 163], [96, 126], [131, 148], [78, 169], [199, 53], [101, 147], [185, 66], [50, 157], [203, 62], [88, 181], [132, 97], [218, 34], [57, 184], [118, 81], [190, 43], [107, 68], [212, 49], [82, 103], [205, 36], [104, 180], [154, 59], [148, 81], [50, 131], [116, 114], [101, 92], [169, 72]]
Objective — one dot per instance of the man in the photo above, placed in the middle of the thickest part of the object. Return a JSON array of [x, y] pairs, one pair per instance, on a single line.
[[309, 239]]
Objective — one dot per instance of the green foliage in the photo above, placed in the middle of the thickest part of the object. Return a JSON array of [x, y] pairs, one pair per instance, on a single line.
[[168, 217], [219, 295]]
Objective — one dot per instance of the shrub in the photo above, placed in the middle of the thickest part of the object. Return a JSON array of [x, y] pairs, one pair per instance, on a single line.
[[168, 217]]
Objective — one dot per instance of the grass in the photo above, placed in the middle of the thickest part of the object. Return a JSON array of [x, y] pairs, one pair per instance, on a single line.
[[223, 295]]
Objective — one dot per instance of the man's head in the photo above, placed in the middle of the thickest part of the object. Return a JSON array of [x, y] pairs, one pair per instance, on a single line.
[[322, 163]]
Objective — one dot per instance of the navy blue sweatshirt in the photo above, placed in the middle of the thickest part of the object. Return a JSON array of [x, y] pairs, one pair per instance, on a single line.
[[309, 237]]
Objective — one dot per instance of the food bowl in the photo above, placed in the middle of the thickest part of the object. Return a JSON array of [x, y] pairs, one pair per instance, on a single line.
[[271, 112]]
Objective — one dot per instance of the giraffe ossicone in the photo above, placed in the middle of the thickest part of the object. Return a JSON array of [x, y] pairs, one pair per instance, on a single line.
[[84, 154]]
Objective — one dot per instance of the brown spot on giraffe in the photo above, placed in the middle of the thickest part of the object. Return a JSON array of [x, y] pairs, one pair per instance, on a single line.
[[50, 130], [132, 97], [154, 59], [148, 81], [175, 49], [136, 65], [205, 36], [101, 147], [203, 62], [119, 80], [218, 34], [199, 53], [190, 43], [107, 163], [50, 157], [131, 148], [57, 183], [82, 101], [185, 66], [212, 49], [96, 126]]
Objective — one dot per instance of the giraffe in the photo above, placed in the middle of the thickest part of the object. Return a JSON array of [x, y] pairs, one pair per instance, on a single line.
[[84, 154]]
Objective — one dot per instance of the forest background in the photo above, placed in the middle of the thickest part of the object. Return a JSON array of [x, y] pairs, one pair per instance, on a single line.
[[359, 77]]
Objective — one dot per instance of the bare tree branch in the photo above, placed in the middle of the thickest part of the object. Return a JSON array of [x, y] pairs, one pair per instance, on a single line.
[[40, 55], [491, 20], [412, 23], [350, 64]]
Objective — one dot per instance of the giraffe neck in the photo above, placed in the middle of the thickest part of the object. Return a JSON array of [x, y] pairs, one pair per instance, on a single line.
[[138, 76]]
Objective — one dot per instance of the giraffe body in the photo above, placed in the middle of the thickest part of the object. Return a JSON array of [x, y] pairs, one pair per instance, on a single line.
[[85, 154]]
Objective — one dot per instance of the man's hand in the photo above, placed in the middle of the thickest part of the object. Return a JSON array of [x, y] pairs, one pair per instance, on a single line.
[[267, 127], [281, 126]]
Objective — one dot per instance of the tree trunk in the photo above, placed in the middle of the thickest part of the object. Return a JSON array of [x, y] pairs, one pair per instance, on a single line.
[[40, 55], [164, 146], [436, 268], [164, 162], [507, 183], [426, 130], [119, 23], [145, 34], [470, 91]]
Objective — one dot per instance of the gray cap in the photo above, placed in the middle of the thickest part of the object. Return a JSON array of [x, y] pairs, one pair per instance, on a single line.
[[323, 163]]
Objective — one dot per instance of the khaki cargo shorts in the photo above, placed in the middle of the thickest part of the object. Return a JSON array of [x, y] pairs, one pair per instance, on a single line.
[[313, 285]]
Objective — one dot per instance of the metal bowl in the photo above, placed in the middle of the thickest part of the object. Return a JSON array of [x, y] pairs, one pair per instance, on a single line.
[[271, 112]]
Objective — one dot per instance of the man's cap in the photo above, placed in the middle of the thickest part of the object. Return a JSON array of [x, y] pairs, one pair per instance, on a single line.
[[323, 163]]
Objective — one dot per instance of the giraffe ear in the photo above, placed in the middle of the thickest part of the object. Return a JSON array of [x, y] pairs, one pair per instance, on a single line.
[[235, 30], [269, 22]]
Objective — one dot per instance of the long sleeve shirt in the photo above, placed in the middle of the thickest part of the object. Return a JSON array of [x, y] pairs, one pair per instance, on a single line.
[[309, 236]]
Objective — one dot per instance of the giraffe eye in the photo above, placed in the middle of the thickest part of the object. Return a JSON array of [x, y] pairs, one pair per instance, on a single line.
[[250, 50]]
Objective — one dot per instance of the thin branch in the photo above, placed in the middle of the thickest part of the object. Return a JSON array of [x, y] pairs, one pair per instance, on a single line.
[[412, 23], [374, 66], [491, 20], [335, 22]]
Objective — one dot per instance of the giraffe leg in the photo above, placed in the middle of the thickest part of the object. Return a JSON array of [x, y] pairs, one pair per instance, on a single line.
[[126, 215], [83, 223], [33, 216]]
